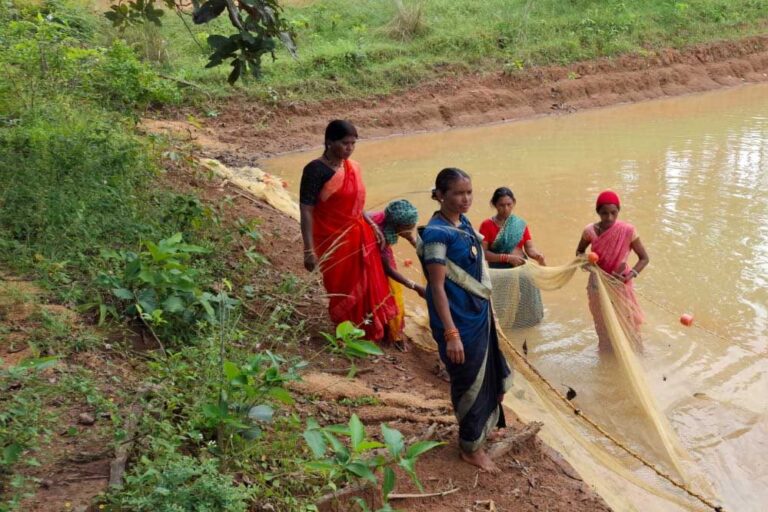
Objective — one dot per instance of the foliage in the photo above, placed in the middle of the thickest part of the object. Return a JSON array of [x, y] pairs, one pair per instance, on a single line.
[[349, 49], [348, 342], [241, 406], [257, 23], [159, 286], [363, 458], [181, 484]]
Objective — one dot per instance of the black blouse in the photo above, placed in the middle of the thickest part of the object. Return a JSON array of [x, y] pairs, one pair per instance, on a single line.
[[315, 175]]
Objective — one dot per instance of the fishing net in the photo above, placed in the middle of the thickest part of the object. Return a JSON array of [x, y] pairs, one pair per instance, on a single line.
[[617, 319]]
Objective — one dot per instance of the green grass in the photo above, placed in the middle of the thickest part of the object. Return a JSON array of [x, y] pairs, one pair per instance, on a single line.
[[349, 49]]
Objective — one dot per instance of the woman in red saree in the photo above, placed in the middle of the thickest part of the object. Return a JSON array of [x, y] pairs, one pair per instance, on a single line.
[[613, 240], [341, 239]]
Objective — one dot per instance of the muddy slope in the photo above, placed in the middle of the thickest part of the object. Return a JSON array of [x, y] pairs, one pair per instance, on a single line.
[[242, 134]]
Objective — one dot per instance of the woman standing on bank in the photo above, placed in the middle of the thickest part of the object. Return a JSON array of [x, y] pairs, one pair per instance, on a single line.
[[507, 243], [341, 239], [458, 298]]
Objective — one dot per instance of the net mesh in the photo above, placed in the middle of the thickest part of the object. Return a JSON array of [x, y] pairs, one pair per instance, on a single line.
[[617, 319]]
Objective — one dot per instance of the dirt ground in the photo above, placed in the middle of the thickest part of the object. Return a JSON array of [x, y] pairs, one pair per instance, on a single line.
[[245, 132]]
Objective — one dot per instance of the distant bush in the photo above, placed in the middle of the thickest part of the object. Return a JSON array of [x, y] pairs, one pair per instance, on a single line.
[[70, 181]]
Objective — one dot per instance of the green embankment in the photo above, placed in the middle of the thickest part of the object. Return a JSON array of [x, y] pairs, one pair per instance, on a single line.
[[353, 49]]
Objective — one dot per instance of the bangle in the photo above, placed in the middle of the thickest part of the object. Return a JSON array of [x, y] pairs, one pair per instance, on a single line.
[[411, 285], [449, 333], [635, 272]]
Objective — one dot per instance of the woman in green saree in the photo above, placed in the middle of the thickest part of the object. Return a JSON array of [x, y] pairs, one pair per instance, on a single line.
[[507, 243]]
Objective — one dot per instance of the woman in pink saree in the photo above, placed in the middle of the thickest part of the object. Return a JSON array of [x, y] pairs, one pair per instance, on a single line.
[[613, 240]]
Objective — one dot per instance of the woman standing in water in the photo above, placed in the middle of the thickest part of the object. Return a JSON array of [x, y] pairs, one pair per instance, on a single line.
[[612, 240], [507, 243], [341, 239], [458, 298]]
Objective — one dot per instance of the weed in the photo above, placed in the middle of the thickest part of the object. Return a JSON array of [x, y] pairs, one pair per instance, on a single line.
[[348, 342], [180, 483], [362, 458]]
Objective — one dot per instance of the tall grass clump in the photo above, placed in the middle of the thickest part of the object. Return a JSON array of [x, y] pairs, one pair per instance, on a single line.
[[408, 22]]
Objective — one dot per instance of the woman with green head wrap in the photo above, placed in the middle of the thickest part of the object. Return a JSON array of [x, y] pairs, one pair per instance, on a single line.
[[397, 220]]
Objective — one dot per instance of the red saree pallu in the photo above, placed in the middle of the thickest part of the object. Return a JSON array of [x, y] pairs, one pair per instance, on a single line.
[[350, 259]]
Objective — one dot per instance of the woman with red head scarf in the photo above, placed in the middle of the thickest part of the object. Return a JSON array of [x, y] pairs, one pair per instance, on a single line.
[[613, 240]]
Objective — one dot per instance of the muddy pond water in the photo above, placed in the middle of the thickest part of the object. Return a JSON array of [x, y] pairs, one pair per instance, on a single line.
[[692, 173]]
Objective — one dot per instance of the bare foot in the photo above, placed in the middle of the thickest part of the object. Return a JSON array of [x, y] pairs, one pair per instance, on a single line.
[[480, 459], [497, 435]]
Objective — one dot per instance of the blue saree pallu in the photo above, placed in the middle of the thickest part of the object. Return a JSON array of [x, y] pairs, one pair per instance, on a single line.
[[477, 383]]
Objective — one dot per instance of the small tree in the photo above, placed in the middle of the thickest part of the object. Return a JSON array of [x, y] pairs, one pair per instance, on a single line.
[[257, 23]]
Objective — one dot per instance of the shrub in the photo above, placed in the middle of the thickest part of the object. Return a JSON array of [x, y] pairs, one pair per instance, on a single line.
[[181, 484], [69, 181]]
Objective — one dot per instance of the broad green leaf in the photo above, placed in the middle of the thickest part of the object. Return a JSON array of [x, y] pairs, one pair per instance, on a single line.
[[360, 470], [316, 442], [393, 439], [282, 395], [231, 370], [320, 465], [369, 445], [11, 453], [174, 304], [356, 431], [338, 429], [123, 293], [251, 434], [364, 347], [172, 240], [409, 465], [261, 412], [348, 330], [417, 449], [389, 482], [360, 502], [213, 411]]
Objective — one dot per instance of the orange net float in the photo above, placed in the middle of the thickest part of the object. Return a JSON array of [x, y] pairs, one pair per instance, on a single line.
[[686, 319], [593, 257]]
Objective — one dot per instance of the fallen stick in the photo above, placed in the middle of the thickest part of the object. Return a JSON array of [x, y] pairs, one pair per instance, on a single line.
[[341, 493], [123, 451], [425, 495], [503, 447]]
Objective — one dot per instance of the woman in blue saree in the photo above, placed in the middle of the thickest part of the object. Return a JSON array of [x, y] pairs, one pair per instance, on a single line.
[[461, 319]]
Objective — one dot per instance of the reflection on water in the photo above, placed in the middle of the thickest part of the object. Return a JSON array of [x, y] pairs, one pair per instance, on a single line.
[[693, 176]]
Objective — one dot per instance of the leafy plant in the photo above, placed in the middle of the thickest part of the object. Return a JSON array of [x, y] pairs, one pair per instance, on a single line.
[[348, 342], [181, 484], [362, 458], [258, 23], [159, 286], [242, 405]]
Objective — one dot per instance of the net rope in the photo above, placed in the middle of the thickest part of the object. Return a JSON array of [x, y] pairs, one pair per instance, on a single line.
[[617, 321]]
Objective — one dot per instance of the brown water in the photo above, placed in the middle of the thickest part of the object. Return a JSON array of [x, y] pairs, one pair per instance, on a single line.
[[693, 176]]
